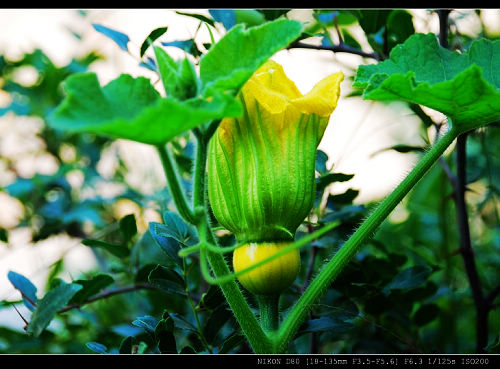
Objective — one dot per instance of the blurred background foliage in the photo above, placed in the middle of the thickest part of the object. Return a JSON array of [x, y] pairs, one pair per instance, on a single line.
[[406, 292]]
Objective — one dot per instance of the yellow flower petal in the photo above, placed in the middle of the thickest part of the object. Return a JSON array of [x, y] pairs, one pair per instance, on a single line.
[[323, 97]]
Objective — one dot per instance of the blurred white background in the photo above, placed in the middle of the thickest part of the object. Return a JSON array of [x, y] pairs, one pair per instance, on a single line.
[[357, 129]]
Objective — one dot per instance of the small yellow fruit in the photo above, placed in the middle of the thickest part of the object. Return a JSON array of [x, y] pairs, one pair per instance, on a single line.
[[271, 278]]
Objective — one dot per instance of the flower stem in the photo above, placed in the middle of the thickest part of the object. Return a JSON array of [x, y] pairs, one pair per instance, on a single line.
[[256, 337], [174, 184], [269, 312], [330, 271]]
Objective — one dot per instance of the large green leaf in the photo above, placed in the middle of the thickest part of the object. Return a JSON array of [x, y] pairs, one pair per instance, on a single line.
[[131, 108], [50, 304], [234, 58], [465, 87]]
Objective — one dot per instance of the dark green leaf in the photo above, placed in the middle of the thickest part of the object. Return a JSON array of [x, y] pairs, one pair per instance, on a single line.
[[326, 324], [402, 148], [97, 347], [120, 38], [399, 27], [168, 244], [128, 227], [187, 350], [91, 287], [272, 14], [494, 344], [409, 278], [329, 178], [127, 345], [27, 289], [426, 314], [117, 250], [4, 235], [152, 37], [198, 16], [344, 198], [167, 280], [215, 322], [212, 298], [232, 341], [50, 304], [164, 334], [147, 322]]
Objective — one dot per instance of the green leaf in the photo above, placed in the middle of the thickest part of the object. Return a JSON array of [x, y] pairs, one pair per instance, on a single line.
[[329, 178], [233, 340], [152, 37], [234, 58], [179, 78], [50, 304], [27, 289], [97, 347], [117, 250], [326, 324], [3, 235], [128, 227], [147, 322], [215, 322], [426, 314], [130, 108], [399, 27], [91, 287], [168, 280], [408, 278], [198, 16], [212, 298], [465, 87], [127, 345], [120, 38], [164, 335]]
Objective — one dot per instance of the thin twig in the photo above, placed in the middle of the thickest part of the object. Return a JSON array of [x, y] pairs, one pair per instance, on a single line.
[[340, 48], [135, 287], [466, 248]]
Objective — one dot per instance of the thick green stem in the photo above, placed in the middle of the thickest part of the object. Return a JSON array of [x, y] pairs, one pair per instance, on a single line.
[[330, 271], [269, 312], [256, 337], [174, 184]]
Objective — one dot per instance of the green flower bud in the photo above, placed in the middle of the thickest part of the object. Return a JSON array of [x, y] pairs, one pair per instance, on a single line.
[[261, 167]]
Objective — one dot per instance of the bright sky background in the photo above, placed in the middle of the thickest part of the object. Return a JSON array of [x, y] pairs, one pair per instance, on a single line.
[[357, 128]]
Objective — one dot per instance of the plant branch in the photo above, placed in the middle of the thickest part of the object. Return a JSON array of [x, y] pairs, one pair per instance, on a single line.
[[330, 271], [466, 247], [104, 295], [340, 48]]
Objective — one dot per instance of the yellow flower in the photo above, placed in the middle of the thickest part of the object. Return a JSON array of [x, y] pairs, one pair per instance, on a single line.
[[261, 167]]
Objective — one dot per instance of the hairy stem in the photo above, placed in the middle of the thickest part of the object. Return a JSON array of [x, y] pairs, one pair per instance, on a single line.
[[269, 312], [256, 337], [330, 271], [174, 184]]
